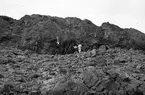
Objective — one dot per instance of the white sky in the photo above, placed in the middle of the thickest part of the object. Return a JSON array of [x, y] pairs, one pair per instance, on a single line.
[[125, 13]]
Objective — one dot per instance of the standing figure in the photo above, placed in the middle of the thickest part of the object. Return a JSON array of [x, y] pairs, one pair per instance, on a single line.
[[57, 40], [79, 48]]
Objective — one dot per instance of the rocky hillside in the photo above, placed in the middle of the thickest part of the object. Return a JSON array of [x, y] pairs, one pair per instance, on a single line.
[[39, 33], [32, 63], [107, 72]]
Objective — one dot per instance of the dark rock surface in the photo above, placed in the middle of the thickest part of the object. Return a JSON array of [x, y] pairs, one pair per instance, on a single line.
[[39, 33], [124, 38], [32, 63], [7, 37], [114, 72]]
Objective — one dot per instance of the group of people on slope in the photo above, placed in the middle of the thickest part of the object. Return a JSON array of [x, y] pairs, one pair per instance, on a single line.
[[78, 47]]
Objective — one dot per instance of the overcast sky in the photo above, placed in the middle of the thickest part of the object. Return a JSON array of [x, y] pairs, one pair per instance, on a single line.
[[125, 13]]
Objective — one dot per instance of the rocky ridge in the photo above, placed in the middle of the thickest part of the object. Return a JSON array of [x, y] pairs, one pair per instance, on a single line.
[[32, 63], [39, 33]]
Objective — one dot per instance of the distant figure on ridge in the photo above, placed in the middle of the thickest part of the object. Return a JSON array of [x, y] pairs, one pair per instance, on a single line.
[[79, 48], [57, 40]]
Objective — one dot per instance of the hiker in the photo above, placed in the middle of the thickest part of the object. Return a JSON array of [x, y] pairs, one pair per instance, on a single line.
[[79, 48], [57, 40]]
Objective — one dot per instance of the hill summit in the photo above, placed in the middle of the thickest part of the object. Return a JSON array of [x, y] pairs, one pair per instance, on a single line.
[[39, 33]]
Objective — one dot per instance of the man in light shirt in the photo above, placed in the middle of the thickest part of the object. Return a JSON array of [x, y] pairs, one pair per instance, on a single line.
[[79, 48], [57, 40]]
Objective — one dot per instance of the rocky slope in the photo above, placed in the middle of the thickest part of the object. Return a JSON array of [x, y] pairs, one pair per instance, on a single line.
[[39, 34], [107, 72], [32, 63]]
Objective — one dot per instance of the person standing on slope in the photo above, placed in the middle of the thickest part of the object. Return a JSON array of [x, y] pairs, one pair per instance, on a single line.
[[57, 40], [79, 48]]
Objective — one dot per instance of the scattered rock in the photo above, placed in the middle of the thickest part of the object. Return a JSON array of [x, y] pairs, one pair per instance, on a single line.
[[109, 70]]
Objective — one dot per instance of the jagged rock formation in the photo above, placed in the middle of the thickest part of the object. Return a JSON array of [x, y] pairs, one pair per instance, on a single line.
[[6, 26], [39, 33], [124, 38]]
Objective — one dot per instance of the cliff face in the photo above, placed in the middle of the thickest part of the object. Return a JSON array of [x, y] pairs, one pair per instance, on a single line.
[[6, 24], [39, 33], [124, 38]]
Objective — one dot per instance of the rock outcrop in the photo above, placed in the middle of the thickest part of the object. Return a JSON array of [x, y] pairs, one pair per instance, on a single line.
[[6, 34], [124, 38], [40, 33], [111, 67]]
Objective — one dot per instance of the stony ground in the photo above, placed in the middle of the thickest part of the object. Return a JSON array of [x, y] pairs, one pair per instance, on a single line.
[[108, 72]]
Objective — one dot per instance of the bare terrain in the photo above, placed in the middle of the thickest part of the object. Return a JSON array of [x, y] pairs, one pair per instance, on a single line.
[[32, 63]]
